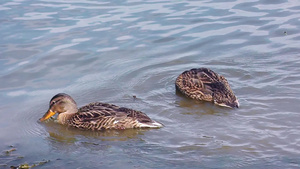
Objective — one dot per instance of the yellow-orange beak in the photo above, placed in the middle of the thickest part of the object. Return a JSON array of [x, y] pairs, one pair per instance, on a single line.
[[47, 115]]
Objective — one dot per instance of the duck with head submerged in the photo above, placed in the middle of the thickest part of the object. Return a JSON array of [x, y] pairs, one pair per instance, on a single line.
[[96, 116], [205, 85]]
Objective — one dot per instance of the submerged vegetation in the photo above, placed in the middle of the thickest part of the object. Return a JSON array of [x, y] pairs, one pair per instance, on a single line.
[[7, 158], [25, 166]]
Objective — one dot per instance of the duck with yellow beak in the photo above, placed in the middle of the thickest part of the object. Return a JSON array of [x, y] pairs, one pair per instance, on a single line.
[[96, 116]]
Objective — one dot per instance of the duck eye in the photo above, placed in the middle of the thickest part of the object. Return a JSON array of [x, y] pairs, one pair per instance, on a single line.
[[52, 103]]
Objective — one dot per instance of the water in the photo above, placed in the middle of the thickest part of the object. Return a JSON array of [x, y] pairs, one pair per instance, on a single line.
[[111, 51]]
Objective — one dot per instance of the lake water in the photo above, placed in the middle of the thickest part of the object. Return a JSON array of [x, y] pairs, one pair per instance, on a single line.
[[110, 51]]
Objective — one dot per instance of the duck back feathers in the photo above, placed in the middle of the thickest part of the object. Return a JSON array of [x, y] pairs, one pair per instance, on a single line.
[[99, 116]]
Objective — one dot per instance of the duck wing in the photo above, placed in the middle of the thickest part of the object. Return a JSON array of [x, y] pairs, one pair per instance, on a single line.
[[98, 116], [138, 115], [198, 84]]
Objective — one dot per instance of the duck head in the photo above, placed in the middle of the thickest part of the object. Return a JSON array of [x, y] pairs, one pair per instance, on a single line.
[[62, 104], [223, 95]]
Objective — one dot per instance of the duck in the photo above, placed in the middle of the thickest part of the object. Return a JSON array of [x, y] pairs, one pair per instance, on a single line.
[[96, 116], [203, 84]]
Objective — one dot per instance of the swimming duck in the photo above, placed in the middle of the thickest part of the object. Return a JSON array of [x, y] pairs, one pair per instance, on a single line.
[[206, 85], [96, 116]]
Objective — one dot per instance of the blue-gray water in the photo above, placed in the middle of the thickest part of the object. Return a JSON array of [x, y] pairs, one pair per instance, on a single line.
[[110, 51]]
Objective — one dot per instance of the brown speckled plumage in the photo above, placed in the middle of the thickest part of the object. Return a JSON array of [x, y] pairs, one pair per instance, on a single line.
[[97, 116], [205, 85]]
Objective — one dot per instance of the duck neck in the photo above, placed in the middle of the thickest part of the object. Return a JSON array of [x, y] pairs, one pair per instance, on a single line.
[[63, 118]]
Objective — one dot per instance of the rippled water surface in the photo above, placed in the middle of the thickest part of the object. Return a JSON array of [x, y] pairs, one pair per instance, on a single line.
[[110, 51]]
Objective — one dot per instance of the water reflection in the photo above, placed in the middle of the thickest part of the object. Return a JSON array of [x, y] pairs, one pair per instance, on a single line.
[[62, 137], [200, 108]]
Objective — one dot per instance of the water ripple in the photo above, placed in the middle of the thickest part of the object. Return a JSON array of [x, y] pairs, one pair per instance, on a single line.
[[111, 51]]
